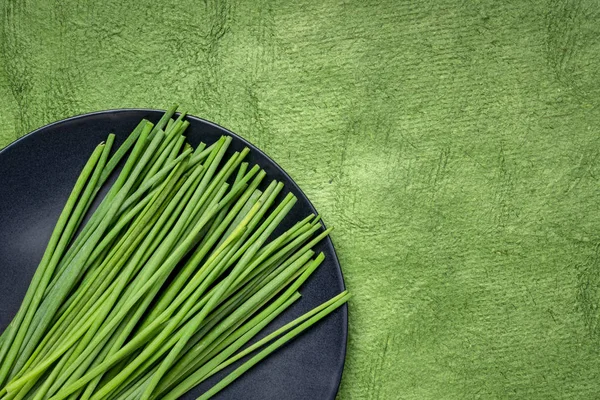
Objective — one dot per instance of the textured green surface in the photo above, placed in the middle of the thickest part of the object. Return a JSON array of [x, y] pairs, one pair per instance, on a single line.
[[454, 145]]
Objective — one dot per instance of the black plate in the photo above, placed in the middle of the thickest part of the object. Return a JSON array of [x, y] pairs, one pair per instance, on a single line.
[[37, 173]]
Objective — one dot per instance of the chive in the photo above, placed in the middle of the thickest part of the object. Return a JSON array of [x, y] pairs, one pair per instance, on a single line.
[[181, 334], [195, 354], [169, 125], [270, 349], [268, 288], [12, 344], [173, 273], [63, 324], [181, 116], [278, 332], [96, 313], [164, 119], [103, 207], [195, 322], [158, 160], [207, 186], [120, 283], [119, 337], [149, 183], [199, 149], [247, 201], [120, 153], [241, 171], [235, 320], [203, 154], [184, 127], [82, 206], [166, 267], [257, 324], [204, 275], [143, 249], [262, 264], [39, 395], [132, 265], [94, 184], [176, 148], [155, 344], [51, 304]]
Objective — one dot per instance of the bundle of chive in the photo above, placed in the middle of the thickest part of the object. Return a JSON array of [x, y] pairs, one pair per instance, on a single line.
[[166, 283]]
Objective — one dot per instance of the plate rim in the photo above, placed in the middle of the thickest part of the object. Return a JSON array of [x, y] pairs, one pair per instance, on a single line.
[[252, 147]]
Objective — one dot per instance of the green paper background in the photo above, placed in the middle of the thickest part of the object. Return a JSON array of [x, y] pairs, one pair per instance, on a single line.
[[453, 144]]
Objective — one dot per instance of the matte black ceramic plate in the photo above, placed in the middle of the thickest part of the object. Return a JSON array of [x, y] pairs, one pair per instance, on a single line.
[[37, 173]]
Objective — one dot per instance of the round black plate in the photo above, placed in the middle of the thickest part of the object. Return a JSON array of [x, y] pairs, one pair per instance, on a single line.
[[37, 173]]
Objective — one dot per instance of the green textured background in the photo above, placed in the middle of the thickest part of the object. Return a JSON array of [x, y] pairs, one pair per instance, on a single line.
[[453, 144]]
